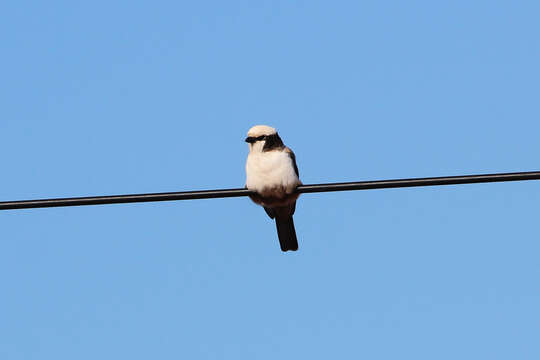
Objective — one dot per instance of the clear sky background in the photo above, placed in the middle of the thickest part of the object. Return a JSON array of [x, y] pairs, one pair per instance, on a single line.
[[101, 98]]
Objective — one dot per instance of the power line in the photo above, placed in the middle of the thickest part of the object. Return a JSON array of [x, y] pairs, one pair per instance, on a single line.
[[211, 194]]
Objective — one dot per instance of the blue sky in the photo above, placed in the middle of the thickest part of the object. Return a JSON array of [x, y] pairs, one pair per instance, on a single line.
[[132, 97]]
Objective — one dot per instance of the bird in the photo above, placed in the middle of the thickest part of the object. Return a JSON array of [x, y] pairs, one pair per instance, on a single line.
[[272, 176]]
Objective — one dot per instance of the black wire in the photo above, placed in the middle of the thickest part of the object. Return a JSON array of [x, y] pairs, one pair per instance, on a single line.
[[210, 194]]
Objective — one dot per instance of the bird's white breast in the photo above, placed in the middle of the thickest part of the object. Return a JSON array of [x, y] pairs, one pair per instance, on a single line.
[[270, 171]]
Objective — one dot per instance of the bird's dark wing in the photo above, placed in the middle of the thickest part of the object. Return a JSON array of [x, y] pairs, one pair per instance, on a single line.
[[270, 212], [293, 158]]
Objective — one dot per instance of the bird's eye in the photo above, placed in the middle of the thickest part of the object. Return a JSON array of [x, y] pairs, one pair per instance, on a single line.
[[262, 137]]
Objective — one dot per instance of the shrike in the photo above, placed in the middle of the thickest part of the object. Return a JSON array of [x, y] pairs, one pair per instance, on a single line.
[[271, 172]]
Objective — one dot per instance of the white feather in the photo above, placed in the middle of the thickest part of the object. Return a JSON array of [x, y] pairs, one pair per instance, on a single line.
[[271, 170]]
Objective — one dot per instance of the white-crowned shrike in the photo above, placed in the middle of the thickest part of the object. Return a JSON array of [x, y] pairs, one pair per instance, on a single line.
[[271, 172]]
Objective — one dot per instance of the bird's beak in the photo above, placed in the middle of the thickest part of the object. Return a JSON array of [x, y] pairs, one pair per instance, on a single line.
[[250, 140]]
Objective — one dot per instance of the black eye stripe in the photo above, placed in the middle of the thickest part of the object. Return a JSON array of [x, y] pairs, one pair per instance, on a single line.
[[251, 139]]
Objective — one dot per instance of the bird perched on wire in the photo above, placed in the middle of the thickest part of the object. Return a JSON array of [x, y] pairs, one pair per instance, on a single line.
[[271, 172]]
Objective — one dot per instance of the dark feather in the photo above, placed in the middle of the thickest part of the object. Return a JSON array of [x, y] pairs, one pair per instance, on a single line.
[[272, 142], [293, 158], [286, 233], [285, 227], [270, 212]]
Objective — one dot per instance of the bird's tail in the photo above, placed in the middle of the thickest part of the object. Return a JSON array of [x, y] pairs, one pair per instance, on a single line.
[[286, 233]]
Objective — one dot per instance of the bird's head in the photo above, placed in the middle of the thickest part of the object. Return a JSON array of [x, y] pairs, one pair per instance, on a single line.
[[263, 138]]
